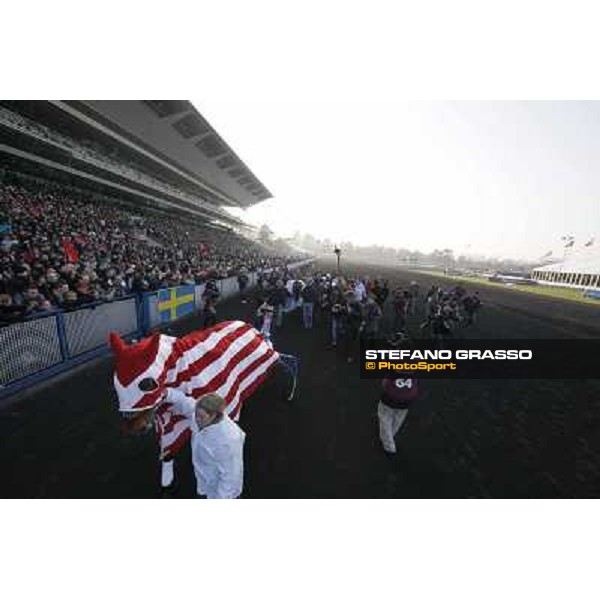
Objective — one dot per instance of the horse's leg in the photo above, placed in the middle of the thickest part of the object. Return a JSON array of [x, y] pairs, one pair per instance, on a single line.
[[166, 475]]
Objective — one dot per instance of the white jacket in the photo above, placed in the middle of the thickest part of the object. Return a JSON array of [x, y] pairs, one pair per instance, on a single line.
[[218, 457], [217, 452], [360, 290]]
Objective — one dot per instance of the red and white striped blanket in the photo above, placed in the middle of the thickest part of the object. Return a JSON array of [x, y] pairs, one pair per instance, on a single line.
[[231, 359]]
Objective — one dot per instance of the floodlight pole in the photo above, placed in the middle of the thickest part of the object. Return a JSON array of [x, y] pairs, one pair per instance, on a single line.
[[338, 253]]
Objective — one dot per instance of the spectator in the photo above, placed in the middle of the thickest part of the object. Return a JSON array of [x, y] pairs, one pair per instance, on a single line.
[[277, 297], [355, 321], [264, 319], [309, 295], [381, 292], [210, 296], [372, 318], [8, 311], [62, 249], [217, 445], [242, 283], [397, 395], [339, 315]]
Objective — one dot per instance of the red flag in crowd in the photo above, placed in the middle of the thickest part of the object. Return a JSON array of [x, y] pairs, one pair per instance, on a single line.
[[28, 256], [70, 251]]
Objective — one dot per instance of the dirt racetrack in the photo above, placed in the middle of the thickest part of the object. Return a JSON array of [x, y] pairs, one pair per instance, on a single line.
[[476, 438]]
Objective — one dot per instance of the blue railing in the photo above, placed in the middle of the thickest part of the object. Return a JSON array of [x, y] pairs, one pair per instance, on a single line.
[[45, 344]]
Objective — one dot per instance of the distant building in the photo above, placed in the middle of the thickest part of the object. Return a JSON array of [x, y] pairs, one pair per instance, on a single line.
[[575, 272]]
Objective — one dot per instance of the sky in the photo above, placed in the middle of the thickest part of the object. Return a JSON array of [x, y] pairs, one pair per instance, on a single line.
[[330, 109], [503, 179]]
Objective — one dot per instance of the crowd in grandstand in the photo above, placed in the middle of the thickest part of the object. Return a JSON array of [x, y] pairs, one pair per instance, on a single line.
[[60, 250]]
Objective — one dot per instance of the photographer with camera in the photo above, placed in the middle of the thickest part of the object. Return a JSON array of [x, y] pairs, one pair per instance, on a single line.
[[339, 315], [309, 296], [277, 297], [263, 320], [355, 324], [210, 296], [243, 279]]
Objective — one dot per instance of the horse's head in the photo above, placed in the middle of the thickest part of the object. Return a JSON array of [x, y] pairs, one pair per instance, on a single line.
[[140, 370], [138, 422]]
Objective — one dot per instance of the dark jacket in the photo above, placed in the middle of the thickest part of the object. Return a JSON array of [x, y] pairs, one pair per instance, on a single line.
[[309, 294], [277, 296], [399, 393]]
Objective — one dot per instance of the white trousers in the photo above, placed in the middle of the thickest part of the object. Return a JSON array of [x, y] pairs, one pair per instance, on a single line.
[[390, 421], [266, 326]]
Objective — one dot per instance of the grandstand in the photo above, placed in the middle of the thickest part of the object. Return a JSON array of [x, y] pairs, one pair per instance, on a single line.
[[155, 152], [114, 219]]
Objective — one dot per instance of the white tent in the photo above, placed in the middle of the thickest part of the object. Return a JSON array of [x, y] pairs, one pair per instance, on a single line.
[[576, 271]]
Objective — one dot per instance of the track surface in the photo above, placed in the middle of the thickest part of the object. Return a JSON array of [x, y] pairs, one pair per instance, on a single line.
[[477, 438]]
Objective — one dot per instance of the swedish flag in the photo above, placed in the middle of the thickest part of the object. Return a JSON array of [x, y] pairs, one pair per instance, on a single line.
[[175, 302]]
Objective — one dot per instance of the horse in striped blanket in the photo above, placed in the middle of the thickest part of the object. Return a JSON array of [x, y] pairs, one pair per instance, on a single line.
[[231, 359]]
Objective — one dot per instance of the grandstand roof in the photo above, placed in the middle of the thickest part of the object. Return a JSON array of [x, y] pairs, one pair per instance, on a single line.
[[588, 265], [175, 135]]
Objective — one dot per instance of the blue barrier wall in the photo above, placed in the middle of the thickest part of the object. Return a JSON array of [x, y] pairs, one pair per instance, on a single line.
[[28, 348], [33, 350], [88, 328]]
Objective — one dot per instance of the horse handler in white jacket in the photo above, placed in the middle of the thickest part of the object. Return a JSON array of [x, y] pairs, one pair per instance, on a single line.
[[217, 447]]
